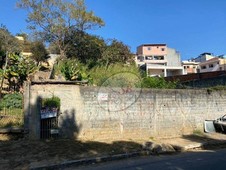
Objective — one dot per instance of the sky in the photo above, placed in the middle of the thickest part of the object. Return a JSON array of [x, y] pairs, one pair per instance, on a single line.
[[191, 27]]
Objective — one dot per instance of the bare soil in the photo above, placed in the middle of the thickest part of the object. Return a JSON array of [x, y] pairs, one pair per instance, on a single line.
[[17, 152]]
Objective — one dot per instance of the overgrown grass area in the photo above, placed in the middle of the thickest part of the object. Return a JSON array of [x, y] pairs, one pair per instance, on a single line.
[[11, 112], [217, 88]]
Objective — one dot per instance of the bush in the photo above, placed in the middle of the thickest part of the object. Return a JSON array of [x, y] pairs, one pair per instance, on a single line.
[[13, 100], [115, 75], [158, 83], [51, 102], [72, 70]]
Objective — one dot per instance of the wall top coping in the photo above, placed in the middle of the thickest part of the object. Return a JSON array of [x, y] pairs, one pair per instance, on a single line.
[[83, 82]]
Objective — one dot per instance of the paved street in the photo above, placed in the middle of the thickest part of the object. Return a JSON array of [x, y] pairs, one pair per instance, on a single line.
[[208, 160]]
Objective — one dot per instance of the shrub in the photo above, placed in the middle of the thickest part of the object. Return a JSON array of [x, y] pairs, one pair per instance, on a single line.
[[71, 70], [13, 100], [115, 75], [51, 102], [158, 83]]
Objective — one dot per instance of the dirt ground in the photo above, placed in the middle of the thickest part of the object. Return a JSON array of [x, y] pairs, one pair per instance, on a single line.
[[20, 153], [17, 152]]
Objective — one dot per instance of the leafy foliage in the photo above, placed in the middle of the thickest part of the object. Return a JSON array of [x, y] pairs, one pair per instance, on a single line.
[[51, 102], [18, 69], [158, 83], [116, 52], [72, 70], [115, 74], [84, 47], [13, 100], [54, 20], [8, 43], [39, 52]]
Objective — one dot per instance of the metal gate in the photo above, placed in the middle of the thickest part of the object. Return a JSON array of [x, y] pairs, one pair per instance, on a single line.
[[49, 123], [49, 128]]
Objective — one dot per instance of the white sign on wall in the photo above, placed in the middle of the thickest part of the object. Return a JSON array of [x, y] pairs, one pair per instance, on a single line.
[[102, 96]]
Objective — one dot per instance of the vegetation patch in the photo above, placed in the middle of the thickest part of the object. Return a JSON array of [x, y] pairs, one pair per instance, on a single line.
[[11, 113], [51, 102]]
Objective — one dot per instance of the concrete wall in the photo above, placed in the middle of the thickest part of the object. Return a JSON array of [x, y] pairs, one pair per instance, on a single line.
[[94, 113], [173, 58]]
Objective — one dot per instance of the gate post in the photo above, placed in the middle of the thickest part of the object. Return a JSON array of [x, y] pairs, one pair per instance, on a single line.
[[32, 107], [26, 105]]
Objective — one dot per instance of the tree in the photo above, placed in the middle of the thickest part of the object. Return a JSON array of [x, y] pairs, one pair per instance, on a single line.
[[116, 52], [55, 20], [53, 48], [8, 43], [86, 48], [39, 52]]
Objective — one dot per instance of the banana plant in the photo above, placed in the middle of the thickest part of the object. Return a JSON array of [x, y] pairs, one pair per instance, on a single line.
[[18, 69]]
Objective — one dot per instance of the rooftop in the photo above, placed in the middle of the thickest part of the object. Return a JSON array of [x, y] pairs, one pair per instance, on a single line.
[[153, 45]]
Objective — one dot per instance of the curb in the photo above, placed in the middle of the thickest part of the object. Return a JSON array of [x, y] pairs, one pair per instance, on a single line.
[[87, 161]]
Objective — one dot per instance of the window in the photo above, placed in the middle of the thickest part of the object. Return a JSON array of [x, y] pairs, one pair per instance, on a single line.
[[141, 58], [211, 66], [149, 48], [203, 67], [188, 67], [148, 58], [163, 49]]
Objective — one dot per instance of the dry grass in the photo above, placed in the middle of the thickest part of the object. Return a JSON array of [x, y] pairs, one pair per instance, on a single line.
[[11, 118]]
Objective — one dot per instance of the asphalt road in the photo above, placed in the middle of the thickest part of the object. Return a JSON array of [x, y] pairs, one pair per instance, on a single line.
[[207, 160]]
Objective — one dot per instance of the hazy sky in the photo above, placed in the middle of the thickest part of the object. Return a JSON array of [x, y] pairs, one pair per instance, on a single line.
[[190, 26]]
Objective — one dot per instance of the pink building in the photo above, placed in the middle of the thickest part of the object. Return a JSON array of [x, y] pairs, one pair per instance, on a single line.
[[159, 60], [190, 67]]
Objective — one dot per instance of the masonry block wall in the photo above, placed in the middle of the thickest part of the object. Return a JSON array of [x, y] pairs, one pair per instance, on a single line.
[[93, 113]]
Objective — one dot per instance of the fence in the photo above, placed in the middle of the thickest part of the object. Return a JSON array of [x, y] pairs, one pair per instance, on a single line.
[[11, 112], [11, 118]]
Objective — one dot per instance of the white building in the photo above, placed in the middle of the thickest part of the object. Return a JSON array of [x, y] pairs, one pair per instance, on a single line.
[[159, 60]]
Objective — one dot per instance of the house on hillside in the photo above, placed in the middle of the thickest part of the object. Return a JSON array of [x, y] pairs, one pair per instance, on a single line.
[[205, 62], [204, 57], [190, 67], [159, 60], [26, 46], [213, 64]]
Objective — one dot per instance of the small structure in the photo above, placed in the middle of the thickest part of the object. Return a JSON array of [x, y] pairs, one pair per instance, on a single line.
[[190, 67], [213, 64]]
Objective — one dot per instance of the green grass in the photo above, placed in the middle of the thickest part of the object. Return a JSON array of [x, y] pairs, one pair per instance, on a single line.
[[13, 112]]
